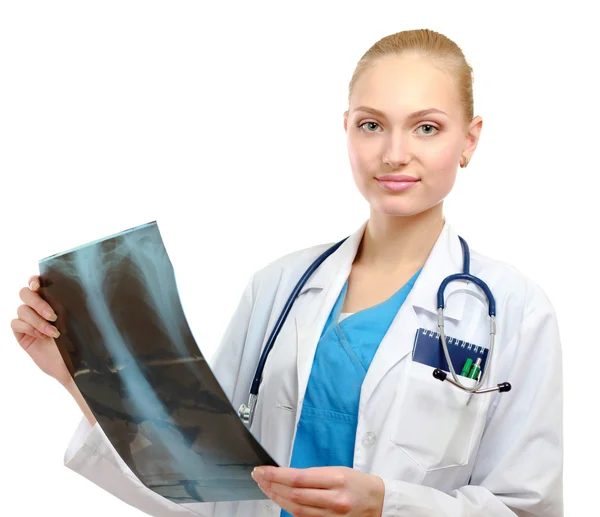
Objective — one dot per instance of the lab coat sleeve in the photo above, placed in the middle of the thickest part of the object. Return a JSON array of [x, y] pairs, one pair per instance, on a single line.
[[518, 468], [91, 454]]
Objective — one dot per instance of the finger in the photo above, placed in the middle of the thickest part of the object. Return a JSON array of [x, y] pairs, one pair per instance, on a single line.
[[34, 283], [35, 301], [292, 507], [28, 315], [21, 328], [315, 477], [59, 310], [313, 497]]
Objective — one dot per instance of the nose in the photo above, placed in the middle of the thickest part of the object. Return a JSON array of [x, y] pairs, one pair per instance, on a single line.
[[396, 152]]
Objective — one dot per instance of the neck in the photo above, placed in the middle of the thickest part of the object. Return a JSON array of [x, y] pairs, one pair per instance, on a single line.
[[393, 243]]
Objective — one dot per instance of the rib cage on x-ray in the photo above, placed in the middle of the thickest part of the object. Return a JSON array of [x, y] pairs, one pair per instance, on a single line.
[[126, 341]]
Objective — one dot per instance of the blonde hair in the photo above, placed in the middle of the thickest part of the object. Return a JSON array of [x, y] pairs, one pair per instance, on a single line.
[[429, 44]]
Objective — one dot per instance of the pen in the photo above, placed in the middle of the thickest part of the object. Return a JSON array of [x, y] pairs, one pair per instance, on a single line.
[[475, 370], [467, 367]]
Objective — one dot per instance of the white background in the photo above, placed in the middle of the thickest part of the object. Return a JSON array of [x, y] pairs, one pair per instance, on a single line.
[[223, 122]]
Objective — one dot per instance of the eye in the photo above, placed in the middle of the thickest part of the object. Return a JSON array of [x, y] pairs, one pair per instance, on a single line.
[[360, 126], [431, 129]]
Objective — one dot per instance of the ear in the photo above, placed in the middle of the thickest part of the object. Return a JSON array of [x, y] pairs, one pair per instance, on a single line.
[[346, 121], [472, 137]]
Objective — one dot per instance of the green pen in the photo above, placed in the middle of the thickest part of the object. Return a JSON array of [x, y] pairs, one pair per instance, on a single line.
[[475, 370], [467, 367]]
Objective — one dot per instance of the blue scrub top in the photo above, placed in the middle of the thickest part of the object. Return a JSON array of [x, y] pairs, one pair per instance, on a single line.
[[327, 427]]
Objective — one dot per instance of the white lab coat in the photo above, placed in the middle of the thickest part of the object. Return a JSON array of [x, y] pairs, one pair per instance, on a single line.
[[439, 450]]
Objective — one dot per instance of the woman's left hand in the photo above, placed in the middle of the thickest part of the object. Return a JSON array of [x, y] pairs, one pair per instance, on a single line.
[[321, 491]]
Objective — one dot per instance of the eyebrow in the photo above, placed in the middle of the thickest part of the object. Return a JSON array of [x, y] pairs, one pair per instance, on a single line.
[[416, 114]]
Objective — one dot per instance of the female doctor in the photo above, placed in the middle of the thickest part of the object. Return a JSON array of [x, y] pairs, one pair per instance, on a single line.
[[360, 424]]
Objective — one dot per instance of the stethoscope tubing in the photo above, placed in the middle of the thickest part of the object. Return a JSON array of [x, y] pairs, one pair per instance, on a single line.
[[247, 412]]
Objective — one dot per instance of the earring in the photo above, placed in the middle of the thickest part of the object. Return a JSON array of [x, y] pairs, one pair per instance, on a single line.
[[466, 162]]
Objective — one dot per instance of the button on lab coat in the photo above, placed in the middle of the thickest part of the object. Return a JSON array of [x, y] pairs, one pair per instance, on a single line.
[[439, 451]]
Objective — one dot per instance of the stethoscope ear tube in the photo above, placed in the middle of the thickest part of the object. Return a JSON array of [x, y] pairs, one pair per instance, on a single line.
[[466, 275], [443, 376]]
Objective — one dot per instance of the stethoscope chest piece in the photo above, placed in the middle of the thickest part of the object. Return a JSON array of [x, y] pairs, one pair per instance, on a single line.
[[246, 412]]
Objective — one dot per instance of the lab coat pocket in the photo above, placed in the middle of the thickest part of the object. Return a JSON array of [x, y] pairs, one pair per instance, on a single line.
[[437, 421]]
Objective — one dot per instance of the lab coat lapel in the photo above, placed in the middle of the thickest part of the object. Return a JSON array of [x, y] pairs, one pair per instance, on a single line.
[[326, 283], [321, 292], [444, 259]]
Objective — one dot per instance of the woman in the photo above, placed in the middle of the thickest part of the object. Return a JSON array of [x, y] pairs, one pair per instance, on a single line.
[[347, 400]]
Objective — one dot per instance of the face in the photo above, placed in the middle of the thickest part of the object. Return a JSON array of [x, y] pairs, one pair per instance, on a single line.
[[395, 140]]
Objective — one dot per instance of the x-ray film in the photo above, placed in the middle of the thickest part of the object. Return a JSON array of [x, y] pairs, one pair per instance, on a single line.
[[127, 344]]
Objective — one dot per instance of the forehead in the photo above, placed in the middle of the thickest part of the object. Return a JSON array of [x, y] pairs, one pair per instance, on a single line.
[[401, 85]]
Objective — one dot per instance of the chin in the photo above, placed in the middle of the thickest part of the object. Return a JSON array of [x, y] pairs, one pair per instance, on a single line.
[[400, 207], [396, 205]]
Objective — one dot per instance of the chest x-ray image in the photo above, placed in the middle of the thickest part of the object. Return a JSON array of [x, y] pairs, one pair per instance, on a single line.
[[127, 344]]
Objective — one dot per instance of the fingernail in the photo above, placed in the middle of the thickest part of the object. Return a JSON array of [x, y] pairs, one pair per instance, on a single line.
[[34, 286], [52, 331], [50, 315]]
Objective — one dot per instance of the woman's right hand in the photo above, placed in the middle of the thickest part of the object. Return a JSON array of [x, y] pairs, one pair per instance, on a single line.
[[36, 334]]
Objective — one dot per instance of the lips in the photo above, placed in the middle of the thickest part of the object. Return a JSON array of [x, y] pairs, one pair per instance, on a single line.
[[397, 177], [397, 182]]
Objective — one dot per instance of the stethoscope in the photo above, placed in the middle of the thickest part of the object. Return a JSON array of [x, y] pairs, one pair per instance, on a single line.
[[246, 412]]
